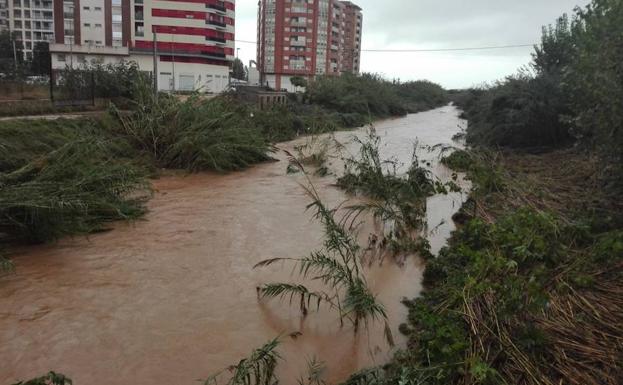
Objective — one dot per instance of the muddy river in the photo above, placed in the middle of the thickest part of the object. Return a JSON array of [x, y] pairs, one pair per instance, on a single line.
[[171, 299]]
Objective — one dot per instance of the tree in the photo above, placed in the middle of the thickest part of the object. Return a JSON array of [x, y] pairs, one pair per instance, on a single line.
[[7, 54], [239, 72], [595, 79], [298, 81], [41, 59], [557, 49]]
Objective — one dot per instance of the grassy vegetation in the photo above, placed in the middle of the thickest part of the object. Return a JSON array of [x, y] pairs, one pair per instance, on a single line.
[[338, 267], [194, 134], [51, 378], [257, 369], [371, 96], [528, 290], [394, 199], [61, 178]]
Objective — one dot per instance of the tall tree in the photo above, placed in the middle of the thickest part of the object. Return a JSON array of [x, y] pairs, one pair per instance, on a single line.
[[40, 64], [239, 72], [8, 54]]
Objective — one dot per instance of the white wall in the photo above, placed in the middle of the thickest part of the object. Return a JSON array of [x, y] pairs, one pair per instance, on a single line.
[[285, 83], [204, 77]]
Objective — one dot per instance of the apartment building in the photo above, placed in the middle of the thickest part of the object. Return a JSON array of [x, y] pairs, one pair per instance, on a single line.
[[307, 38], [30, 20], [4, 15], [192, 41]]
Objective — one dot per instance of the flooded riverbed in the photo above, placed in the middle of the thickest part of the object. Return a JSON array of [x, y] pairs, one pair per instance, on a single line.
[[171, 299]]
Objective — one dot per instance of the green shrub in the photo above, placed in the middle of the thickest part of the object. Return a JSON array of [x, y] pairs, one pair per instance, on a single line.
[[61, 178], [594, 80], [372, 96], [195, 134]]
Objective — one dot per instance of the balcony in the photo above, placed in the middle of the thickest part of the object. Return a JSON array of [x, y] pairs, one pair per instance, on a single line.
[[298, 43], [218, 7], [221, 40], [298, 23], [216, 23]]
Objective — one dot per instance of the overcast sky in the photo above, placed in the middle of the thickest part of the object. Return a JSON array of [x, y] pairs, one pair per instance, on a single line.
[[433, 24]]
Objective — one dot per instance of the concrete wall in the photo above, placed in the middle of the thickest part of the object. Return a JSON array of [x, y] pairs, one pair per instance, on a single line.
[[188, 76]]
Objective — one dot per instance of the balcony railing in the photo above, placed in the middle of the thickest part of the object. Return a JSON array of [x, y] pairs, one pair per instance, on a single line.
[[217, 23], [217, 39], [298, 43], [218, 7], [299, 23]]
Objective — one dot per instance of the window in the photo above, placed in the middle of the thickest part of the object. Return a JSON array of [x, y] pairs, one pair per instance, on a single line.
[[98, 9], [61, 58], [98, 25], [86, 8], [87, 24]]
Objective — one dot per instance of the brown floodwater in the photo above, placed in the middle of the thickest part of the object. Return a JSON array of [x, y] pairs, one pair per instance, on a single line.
[[171, 299]]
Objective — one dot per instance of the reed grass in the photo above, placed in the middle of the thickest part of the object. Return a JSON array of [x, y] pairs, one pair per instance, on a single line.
[[195, 134], [52, 378], [256, 369], [62, 178], [337, 266]]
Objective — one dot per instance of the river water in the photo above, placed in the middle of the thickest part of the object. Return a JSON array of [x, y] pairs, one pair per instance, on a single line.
[[171, 299]]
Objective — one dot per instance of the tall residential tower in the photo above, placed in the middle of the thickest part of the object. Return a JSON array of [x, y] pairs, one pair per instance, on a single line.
[[307, 38]]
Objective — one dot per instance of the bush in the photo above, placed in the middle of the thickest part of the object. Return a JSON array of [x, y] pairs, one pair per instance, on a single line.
[[522, 111], [372, 96], [594, 80], [62, 178], [196, 134]]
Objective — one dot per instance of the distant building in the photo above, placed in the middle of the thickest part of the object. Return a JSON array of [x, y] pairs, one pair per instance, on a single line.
[[194, 40], [31, 20], [4, 15], [307, 39]]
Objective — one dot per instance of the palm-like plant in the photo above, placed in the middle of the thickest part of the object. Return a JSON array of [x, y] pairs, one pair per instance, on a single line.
[[256, 369], [51, 378], [337, 266]]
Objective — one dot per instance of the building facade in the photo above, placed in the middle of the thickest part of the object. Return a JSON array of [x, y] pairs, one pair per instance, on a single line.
[[4, 15], [30, 20], [307, 38], [190, 42]]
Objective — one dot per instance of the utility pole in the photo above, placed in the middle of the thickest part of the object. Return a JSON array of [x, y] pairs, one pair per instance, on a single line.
[[14, 54], [71, 52], [155, 65], [173, 61]]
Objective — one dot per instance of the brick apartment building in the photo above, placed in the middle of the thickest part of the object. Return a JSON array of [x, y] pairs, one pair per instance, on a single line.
[[194, 39], [307, 38]]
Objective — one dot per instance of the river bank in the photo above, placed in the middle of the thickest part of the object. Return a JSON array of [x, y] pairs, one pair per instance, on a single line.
[[172, 298], [529, 289]]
